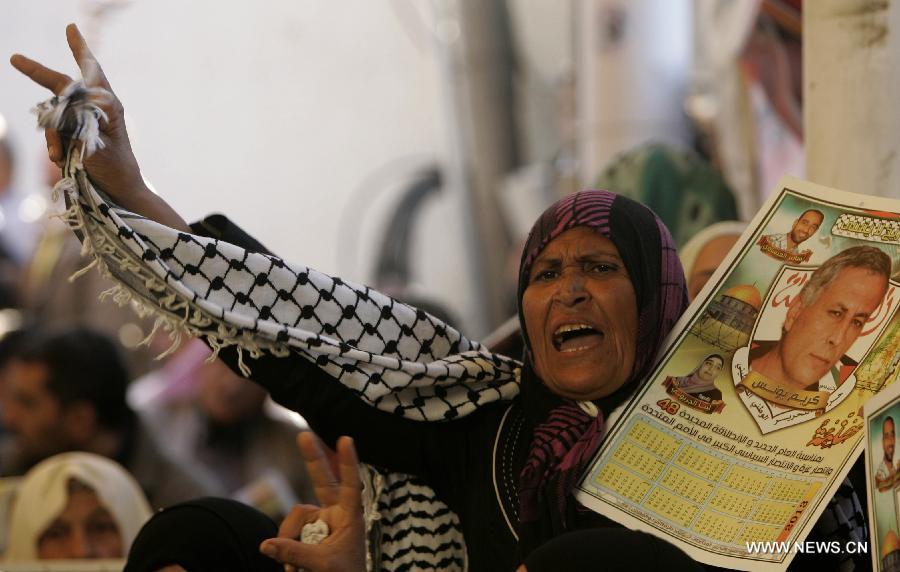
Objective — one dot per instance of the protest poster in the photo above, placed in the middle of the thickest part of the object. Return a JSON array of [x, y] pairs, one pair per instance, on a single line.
[[882, 415], [753, 416]]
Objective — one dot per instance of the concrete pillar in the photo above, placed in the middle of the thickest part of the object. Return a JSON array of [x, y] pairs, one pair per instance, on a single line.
[[851, 62], [475, 48]]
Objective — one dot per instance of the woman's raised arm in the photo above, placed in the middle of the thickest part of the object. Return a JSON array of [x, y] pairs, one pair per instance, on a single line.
[[112, 168]]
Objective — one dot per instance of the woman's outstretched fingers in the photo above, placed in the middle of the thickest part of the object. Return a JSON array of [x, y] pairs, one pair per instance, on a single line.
[[324, 483], [351, 486], [90, 68], [113, 168], [40, 74], [344, 549]]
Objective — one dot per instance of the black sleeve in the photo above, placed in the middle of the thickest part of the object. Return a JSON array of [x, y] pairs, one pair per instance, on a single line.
[[220, 227], [438, 452], [446, 455]]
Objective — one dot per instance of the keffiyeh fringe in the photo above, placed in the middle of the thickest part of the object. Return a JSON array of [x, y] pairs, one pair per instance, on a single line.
[[74, 112]]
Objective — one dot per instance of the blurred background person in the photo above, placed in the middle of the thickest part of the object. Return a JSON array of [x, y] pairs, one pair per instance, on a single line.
[[679, 185], [205, 414], [20, 211], [15, 236], [65, 391], [75, 506], [705, 251], [10, 343], [48, 297]]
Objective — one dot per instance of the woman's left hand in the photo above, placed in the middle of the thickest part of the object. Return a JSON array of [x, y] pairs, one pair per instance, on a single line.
[[344, 549]]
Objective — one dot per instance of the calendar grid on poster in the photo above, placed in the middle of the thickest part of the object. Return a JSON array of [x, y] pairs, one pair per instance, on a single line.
[[717, 498]]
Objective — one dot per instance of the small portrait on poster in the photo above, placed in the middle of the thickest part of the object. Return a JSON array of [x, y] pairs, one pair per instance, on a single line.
[[882, 466], [786, 246], [815, 328], [886, 470], [697, 389]]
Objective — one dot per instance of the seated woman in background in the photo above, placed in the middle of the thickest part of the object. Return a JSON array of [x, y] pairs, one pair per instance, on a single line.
[[705, 251], [75, 506]]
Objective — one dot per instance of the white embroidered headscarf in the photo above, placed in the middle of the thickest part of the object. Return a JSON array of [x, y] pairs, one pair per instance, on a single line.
[[44, 491]]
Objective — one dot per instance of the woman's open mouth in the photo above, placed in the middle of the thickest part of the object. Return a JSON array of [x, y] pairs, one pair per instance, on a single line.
[[576, 337]]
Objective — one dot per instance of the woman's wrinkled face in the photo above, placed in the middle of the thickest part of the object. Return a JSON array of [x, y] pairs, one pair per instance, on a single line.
[[581, 316], [84, 529]]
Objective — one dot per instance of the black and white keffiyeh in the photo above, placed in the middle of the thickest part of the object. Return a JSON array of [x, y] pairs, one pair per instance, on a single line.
[[393, 356]]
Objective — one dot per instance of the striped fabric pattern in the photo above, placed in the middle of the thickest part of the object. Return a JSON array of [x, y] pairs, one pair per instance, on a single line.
[[587, 208], [417, 531], [557, 446]]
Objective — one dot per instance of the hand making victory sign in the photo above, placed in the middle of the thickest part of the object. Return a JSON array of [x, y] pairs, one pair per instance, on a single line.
[[112, 168]]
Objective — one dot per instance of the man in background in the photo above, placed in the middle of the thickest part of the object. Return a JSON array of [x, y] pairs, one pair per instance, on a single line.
[[65, 391], [203, 411]]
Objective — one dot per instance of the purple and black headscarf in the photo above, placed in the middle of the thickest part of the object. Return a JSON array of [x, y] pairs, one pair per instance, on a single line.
[[567, 437]]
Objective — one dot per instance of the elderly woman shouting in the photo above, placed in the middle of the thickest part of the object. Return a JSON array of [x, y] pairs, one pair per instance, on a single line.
[[501, 443]]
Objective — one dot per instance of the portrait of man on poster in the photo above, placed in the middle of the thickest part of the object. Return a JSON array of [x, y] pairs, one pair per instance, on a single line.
[[886, 472], [786, 246], [821, 324]]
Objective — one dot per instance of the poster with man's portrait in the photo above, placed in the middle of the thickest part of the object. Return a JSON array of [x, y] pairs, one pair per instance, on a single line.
[[753, 415], [882, 415], [816, 326], [792, 246]]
